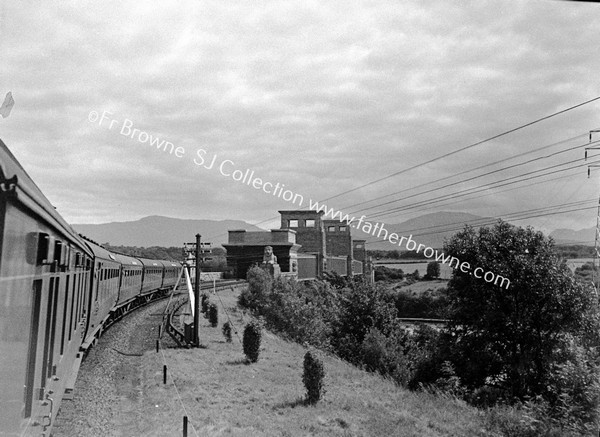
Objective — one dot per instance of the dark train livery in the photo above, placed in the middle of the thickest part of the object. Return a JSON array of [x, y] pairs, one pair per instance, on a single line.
[[57, 292]]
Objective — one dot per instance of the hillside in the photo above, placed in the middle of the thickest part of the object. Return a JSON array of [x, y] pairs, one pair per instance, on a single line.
[[569, 236], [430, 229], [224, 396], [161, 231]]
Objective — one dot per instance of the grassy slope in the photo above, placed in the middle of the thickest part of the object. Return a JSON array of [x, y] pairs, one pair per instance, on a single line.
[[224, 396]]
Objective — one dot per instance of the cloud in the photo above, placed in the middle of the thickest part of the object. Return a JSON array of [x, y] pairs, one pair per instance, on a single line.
[[320, 96]]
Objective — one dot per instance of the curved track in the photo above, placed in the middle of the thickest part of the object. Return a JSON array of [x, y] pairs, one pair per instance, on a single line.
[[108, 386]]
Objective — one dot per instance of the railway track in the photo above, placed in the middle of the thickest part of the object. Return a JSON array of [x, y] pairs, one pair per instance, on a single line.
[[108, 388], [178, 312]]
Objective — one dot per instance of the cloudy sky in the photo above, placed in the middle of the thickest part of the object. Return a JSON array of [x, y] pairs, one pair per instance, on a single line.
[[322, 96]]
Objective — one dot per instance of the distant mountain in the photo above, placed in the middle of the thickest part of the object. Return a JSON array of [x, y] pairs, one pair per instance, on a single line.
[[569, 236], [162, 231], [429, 229]]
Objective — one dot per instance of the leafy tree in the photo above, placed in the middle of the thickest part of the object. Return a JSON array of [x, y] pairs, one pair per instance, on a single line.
[[433, 269], [383, 273], [416, 275], [513, 336]]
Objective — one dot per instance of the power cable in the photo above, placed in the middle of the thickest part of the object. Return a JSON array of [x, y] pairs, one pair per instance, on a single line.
[[470, 170], [462, 149], [484, 187]]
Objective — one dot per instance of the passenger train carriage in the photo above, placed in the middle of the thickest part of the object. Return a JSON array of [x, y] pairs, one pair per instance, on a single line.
[[58, 291]]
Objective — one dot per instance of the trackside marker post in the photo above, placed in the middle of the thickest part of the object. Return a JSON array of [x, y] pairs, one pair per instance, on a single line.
[[164, 374], [185, 426], [197, 294]]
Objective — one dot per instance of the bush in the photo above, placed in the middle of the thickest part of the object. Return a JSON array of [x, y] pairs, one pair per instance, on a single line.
[[335, 279], [313, 376], [425, 305], [204, 302], [213, 315], [388, 354], [260, 284], [573, 392], [252, 338], [301, 312], [529, 419], [227, 331], [383, 273]]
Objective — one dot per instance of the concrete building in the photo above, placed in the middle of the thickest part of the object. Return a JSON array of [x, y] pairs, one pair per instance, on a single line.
[[338, 238], [309, 227], [305, 247], [245, 249], [359, 250]]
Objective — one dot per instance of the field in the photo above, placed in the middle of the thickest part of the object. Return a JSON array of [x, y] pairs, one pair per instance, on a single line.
[[224, 396], [421, 287]]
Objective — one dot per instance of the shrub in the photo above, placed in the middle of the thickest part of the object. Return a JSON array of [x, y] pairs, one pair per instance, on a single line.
[[251, 340], [204, 302], [314, 373], [227, 331], [301, 312], [260, 284], [383, 273], [213, 315], [335, 279], [529, 419], [573, 392], [426, 305]]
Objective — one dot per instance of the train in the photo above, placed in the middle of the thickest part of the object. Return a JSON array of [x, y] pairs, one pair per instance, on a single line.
[[58, 292]]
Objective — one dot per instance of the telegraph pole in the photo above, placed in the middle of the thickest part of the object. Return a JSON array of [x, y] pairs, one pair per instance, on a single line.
[[197, 294], [596, 262]]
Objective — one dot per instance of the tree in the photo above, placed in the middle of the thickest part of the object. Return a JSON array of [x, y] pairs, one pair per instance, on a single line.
[[514, 336], [433, 269]]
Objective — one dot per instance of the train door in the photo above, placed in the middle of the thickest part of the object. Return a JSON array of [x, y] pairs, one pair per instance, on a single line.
[[41, 365]]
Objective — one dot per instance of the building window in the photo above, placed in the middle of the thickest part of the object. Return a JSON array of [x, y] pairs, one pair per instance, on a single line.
[[343, 228], [310, 223], [330, 228], [292, 223], [359, 246]]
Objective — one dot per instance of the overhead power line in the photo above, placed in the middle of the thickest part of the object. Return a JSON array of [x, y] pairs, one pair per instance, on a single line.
[[460, 226], [503, 182], [481, 167], [476, 177], [462, 149]]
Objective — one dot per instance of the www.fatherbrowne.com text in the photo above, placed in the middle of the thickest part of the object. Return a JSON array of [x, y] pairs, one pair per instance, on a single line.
[[227, 168], [378, 230]]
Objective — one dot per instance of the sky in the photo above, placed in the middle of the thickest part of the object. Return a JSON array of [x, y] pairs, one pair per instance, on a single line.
[[323, 97]]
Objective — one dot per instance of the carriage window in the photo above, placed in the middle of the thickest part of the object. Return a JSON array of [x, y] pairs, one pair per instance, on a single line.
[[45, 254], [58, 251]]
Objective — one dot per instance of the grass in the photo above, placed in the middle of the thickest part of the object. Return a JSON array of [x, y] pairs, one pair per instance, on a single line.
[[224, 396], [420, 287]]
